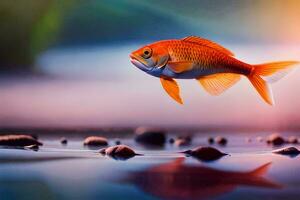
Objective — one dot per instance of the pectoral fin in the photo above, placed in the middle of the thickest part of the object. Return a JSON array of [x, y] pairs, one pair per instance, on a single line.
[[172, 88], [179, 67], [217, 83]]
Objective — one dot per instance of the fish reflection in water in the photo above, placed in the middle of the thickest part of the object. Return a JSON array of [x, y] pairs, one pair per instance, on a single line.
[[176, 180]]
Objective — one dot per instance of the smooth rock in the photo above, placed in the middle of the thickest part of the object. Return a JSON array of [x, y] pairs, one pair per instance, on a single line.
[[293, 140], [18, 140], [221, 140], [95, 141], [150, 136], [187, 138], [210, 140], [287, 151], [63, 140], [118, 142], [205, 153], [119, 152], [275, 139], [33, 147], [171, 140], [182, 142], [259, 139]]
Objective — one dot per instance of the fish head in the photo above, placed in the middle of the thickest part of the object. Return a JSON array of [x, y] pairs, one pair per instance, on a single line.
[[151, 59]]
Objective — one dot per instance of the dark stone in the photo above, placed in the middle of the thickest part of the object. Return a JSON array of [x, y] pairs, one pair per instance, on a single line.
[[293, 140], [118, 142], [275, 139], [259, 139], [205, 153], [95, 141], [187, 138], [221, 140], [182, 142], [171, 140], [150, 136], [210, 140], [119, 152], [63, 140], [33, 147], [18, 140], [292, 151]]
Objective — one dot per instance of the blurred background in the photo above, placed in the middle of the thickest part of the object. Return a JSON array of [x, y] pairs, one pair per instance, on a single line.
[[66, 64]]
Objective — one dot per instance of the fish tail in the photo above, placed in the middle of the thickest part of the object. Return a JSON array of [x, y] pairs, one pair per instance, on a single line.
[[261, 170], [263, 74]]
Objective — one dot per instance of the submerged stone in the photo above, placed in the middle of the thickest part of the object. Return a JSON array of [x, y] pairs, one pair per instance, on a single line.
[[293, 140], [221, 140], [150, 136], [205, 153], [275, 139], [18, 140], [259, 139], [287, 151], [210, 140], [119, 152], [33, 147], [95, 141], [181, 142], [118, 142], [171, 140], [63, 140]]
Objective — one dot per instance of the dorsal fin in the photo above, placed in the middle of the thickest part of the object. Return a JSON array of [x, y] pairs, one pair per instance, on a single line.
[[208, 43], [217, 83]]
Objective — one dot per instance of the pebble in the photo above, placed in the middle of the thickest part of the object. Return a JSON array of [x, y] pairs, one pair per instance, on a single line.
[[95, 141], [171, 140], [117, 142], [119, 152], [259, 139], [287, 151], [205, 153], [18, 140], [63, 140], [211, 140], [182, 142], [150, 136], [293, 140], [33, 147], [275, 139], [221, 140]]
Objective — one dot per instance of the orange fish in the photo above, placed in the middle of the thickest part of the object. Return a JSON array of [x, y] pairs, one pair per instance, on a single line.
[[212, 65]]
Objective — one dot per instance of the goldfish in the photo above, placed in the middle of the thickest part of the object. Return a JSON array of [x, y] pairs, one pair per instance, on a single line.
[[212, 65], [178, 180]]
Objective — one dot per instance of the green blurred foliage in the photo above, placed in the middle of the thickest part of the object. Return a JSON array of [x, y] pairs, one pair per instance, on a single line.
[[17, 21]]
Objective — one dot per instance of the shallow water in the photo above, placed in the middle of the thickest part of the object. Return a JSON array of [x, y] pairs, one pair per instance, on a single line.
[[75, 172]]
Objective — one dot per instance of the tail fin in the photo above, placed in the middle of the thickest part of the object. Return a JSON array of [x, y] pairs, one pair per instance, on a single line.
[[261, 170], [269, 73]]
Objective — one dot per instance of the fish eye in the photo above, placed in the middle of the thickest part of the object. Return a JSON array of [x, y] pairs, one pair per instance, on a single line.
[[147, 52]]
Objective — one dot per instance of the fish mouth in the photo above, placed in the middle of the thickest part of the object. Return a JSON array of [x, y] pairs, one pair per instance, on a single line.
[[138, 63]]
